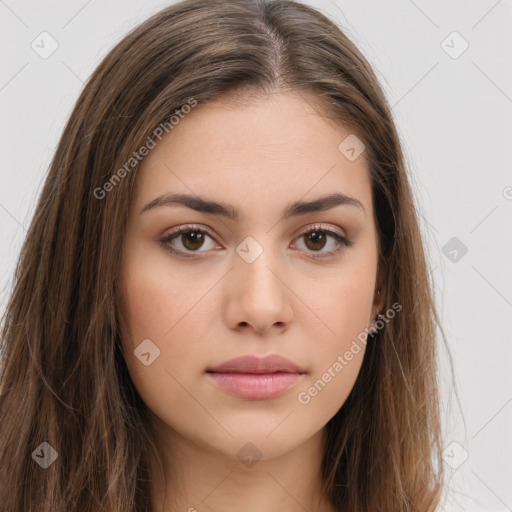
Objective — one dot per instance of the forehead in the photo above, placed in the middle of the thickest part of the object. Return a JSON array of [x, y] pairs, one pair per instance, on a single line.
[[274, 146]]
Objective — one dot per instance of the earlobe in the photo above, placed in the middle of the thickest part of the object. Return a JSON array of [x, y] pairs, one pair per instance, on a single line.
[[379, 297], [379, 300], [378, 304], [377, 311]]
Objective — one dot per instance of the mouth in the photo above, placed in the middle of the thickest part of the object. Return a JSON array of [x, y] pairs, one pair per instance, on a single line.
[[255, 378]]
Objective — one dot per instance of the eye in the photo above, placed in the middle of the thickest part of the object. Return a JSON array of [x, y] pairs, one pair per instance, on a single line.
[[317, 237], [192, 238]]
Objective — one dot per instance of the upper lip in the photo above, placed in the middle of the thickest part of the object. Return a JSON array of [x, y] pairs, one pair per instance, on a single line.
[[255, 364]]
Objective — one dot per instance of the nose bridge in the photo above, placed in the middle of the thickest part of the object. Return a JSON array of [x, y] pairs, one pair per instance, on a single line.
[[256, 267]]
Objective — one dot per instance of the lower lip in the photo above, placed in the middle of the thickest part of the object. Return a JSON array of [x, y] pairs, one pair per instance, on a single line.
[[255, 386]]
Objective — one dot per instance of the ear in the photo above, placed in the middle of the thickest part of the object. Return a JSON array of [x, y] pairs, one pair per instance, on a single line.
[[379, 296]]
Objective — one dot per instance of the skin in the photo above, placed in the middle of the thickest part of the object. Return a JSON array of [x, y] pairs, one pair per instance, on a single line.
[[259, 157]]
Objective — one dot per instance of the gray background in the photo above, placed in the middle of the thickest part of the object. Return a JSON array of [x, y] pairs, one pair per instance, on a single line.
[[454, 116]]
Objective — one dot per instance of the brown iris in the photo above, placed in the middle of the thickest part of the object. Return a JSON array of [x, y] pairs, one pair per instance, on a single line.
[[192, 240], [317, 237]]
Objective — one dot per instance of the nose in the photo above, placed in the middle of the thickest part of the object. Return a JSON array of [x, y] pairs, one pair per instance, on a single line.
[[258, 296]]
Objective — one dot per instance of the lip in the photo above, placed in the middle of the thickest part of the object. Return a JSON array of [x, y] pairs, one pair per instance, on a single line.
[[256, 378], [254, 364]]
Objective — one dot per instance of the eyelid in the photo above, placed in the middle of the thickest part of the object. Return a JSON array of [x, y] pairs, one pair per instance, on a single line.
[[319, 226], [190, 227]]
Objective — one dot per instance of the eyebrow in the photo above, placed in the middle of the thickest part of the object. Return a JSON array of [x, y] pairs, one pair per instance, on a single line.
[[295, 209]]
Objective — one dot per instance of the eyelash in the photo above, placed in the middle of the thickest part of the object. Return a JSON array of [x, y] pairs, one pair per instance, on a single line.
[[342, 241]]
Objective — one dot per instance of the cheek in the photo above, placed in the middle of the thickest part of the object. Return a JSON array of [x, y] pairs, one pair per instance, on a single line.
[[351, 311], [344, 301], [344, 304], [160, 305], [153, 299], [153, 307], [338, 355]]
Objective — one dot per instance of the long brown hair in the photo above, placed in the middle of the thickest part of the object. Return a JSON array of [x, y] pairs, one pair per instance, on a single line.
[[63, 377]]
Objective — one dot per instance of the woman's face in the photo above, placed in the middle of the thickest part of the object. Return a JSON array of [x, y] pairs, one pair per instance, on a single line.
[[250, 281]]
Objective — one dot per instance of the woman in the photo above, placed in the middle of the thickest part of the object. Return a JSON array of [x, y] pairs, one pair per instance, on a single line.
[[223, 300]]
